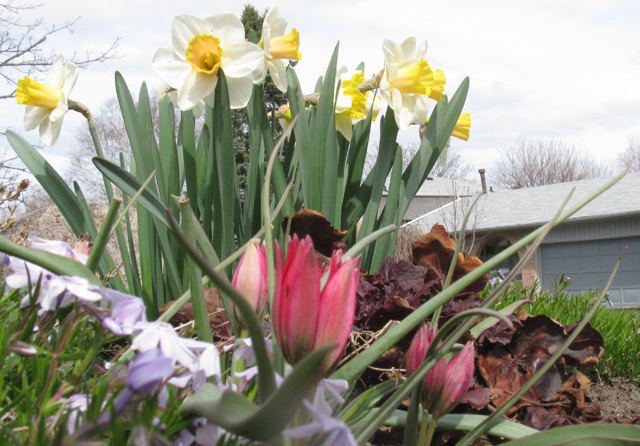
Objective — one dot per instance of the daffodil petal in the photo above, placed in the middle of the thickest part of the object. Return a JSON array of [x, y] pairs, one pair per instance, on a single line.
[[193, 88], [226, 27], [184, 28], [55, 75], [276, 25], [50, 130], [70, 78], [344, 126], [241, 59], [168, 68], [240, 90], [278, 71], [33, 116]]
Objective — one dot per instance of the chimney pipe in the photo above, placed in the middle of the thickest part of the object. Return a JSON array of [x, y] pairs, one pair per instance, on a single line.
[[483, 181]]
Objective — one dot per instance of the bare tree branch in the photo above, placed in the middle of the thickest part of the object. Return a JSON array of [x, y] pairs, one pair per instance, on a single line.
[[528, 163], [630, 158], [22, 44]]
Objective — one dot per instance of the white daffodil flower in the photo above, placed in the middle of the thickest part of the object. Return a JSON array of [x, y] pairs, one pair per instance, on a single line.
[[408, 81], [201, 47], [47, 103], [352, 105], [278, 46]]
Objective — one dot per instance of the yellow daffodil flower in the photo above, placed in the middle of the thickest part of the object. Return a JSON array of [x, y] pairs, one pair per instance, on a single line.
[[352, 105], [47, 103], [201, 47], [409, 81], [462, 128], [278, 46]]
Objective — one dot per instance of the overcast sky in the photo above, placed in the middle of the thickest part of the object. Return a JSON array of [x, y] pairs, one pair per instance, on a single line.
[[568, 69]]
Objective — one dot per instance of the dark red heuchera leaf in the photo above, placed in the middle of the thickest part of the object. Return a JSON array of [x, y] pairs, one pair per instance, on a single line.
[[435, 250], [392, 293], [461, 302], [314, 224], [587, 349], [500, 333]]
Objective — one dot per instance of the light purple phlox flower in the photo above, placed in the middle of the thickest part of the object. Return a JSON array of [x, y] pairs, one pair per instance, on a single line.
[[62, 291], [126, 311], [337, 431], [197, 356]]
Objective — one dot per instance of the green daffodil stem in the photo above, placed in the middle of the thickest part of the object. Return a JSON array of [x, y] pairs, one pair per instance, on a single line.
[[84, 111], [100, 243]]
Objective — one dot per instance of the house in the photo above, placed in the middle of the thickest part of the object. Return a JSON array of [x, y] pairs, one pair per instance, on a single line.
[[433, 194], [584, 248]]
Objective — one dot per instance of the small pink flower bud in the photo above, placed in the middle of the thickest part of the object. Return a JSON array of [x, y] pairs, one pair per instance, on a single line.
[[445, 383], [434, 380], [251, 278], [459, 377]]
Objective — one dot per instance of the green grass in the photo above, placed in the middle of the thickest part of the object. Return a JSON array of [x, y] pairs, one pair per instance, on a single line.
[[620, 327]]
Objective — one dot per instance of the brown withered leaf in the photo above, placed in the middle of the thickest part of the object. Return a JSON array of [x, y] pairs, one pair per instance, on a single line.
[[556, 399], [218, 319], [435, 250], [501, 374], [325, 237], [477, 398]]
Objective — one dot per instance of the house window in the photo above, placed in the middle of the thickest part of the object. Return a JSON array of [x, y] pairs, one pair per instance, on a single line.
[[494, 247]]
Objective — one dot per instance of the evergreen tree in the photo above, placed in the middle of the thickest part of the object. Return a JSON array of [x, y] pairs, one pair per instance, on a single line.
[[274, 98]]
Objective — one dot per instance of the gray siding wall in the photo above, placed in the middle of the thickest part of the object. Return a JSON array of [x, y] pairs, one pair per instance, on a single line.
[[595, 230]]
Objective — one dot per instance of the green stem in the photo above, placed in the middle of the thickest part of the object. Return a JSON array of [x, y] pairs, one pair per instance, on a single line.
[[200, 312], [103, 236], [424, 427]]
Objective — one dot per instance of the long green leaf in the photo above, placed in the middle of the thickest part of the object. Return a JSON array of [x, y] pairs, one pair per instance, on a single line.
[[186, 136], [324, 154], [384, 162], [130, 185], [302, 134], [227, 187], [583, 435], [51, 182], [200, 313], [465, 422]]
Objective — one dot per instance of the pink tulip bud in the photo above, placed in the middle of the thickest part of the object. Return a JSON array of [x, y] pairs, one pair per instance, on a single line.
[[459, 377], [251, 278], [296, 300], [337, 306], [304, 316], [434, 380], [445, 383]]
